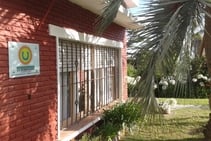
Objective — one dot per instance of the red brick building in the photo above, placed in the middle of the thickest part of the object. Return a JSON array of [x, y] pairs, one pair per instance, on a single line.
[[77, 73]]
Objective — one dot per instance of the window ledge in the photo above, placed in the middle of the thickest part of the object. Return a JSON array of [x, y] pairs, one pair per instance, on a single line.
[[81, 126]]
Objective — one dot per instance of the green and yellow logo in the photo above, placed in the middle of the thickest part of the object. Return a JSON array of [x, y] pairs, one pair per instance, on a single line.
[[25, 55]]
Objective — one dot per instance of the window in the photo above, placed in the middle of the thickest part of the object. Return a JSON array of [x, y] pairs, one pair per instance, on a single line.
[[88, 79]]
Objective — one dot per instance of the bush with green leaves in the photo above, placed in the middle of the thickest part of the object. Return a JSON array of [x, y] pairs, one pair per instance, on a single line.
[[131, 71], [114, 119], [130, 90], [197, 86], [200, 77]]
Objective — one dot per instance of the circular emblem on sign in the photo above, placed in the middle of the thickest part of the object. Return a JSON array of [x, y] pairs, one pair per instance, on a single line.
[[25, 55]]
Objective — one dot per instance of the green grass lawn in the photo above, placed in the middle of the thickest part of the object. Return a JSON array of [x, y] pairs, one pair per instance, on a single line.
[[181, 125], [189, 101]]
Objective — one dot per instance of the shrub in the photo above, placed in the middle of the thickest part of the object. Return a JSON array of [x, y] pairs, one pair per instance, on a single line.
[[130, 90], [114, 119], [197, 86], [131, 71]]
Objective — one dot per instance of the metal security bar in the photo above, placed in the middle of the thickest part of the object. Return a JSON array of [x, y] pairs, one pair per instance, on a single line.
[[88, 78]]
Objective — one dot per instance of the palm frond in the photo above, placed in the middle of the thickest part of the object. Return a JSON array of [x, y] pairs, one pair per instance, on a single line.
[[109, 14], [169, 25]]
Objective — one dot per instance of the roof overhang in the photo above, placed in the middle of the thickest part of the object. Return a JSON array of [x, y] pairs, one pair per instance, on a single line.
[[131, 3], [123, 18]]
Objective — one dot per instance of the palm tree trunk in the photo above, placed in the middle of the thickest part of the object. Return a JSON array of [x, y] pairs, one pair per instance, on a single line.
[[207, 40], [207, 46]]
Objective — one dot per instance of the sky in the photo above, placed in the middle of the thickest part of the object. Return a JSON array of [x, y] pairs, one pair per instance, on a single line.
[[140, 5]]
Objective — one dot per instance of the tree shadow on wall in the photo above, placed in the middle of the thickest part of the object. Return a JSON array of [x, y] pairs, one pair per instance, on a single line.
[[28, 104]]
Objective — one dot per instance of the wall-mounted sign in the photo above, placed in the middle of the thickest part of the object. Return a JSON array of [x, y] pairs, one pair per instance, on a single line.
[[24, 59]]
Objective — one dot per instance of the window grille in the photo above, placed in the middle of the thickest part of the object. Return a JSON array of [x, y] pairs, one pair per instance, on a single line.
[[88, 79]]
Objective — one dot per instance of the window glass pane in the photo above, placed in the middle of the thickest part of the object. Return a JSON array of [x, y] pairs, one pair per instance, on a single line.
[[88, 79]]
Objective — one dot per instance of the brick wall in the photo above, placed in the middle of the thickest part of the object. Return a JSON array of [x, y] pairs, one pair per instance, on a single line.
[[28, 105], [124, 71]]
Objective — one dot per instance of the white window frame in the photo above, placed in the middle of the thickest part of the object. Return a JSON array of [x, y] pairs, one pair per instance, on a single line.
[[71, 34]]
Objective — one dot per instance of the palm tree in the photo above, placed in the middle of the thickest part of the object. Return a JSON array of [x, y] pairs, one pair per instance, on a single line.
[[168, 31], [169, 26], [207, 36]]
